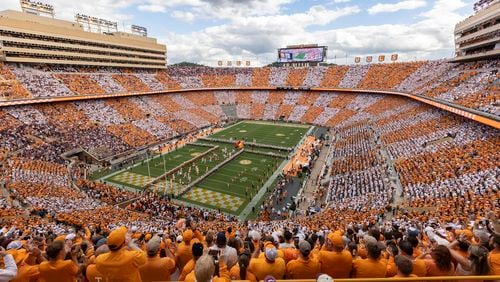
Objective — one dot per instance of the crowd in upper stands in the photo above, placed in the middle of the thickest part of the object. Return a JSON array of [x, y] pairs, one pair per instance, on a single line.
[[473, 85]]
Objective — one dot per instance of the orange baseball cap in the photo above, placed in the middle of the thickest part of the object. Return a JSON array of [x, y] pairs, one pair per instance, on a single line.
[[117, 237], [187, 235], [336, 239], [467, 233]]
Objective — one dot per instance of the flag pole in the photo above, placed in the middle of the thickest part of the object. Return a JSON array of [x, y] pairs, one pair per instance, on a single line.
[[147, 160]]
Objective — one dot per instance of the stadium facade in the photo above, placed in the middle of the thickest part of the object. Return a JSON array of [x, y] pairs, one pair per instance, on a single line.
[[28, 38], [478, 36]]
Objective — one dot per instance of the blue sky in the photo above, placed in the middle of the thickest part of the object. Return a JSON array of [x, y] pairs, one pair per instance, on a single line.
[[206, 31]]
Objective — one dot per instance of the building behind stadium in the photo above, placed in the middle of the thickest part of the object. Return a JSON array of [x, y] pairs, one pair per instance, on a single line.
[[478, 36], [31, 38]]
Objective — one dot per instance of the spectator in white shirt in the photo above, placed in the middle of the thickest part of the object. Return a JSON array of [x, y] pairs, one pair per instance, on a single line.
[[230, 253], [10, 270]]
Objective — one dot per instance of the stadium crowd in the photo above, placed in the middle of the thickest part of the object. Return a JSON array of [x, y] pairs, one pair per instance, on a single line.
[[453, 82], [187, 249], [57, 225]]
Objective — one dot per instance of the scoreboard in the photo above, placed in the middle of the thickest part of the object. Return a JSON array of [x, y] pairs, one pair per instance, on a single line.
[[303, 54]]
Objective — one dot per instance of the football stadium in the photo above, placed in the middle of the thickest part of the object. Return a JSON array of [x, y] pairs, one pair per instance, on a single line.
[[117, 165]]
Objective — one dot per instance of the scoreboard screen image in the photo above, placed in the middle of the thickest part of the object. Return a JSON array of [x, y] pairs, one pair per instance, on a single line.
[[312, 54]]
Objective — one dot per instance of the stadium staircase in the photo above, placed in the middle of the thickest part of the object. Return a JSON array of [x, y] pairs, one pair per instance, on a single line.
[[313, 181], [393, 175], [6, 194]]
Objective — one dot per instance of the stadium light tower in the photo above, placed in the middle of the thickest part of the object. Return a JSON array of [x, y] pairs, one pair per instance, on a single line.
[[37, 8], [102, 25], [139, 30]]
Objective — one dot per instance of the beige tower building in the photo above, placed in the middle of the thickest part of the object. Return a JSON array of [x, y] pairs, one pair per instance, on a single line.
[[478, 36], [30, 38]]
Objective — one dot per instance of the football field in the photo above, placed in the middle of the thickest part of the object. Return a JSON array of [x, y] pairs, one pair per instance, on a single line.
[[268, 133], [232, 186], [211, 172], [140, 174]]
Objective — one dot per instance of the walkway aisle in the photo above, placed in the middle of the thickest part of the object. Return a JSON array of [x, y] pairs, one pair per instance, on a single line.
[[4, 193], [393, 175], [313, 180]]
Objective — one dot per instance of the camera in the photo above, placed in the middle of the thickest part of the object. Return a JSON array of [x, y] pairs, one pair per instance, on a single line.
[[215, 254]]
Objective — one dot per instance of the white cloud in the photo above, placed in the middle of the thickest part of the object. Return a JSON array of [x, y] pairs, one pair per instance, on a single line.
[[216, 9], [257, 38], [162, 6], [153, 8], [341, 1], [10, 5], [293, 23], [183, 16], [391, 8], [230, 9], [254, 38], [254, 29]]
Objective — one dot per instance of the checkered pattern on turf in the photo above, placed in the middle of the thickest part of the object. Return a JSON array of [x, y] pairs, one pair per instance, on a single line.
[[132, 178], [215, 199], [176, 189]]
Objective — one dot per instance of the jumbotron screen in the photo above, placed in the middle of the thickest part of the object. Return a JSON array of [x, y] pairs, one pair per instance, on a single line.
[[310, 54]]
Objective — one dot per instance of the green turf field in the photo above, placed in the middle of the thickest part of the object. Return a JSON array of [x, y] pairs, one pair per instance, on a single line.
[[233, 185], [268, 133], [199, 181], [139, 175]]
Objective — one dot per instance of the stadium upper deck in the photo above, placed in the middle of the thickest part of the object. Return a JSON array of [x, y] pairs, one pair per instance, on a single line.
[[470, 85], [478, 36]]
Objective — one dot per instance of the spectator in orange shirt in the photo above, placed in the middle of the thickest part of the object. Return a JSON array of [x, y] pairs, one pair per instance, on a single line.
[[122, 263], [58, 269], [29, 268], [404, 266], [406, 249], [304, 267], [392, 252], [494, 256], [374, 266], [184, 250], [270, 264], [156, 268], [440, 263], [197, 251], [92, 274], [204, 270], [240, 270], [335, 261]]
